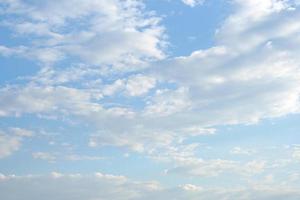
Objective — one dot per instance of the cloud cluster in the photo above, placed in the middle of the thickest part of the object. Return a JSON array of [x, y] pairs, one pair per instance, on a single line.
[[105, 186], [102, 33], [251, 73], [18, 100]]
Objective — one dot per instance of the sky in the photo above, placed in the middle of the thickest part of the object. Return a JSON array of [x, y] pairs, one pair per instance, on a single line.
[[149, 99]]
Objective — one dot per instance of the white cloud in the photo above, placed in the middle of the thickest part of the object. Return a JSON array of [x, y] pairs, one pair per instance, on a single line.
[[259, 22], [53, 157], [21, 132], [254, 167], [75, 157], [225, 93], [242, 151], [237, 81], [191, 187], [196, 130], [225, 84], [192, 3], [192, 166], [139, 85], [296, 153], [16, 100], [74, 186], [139, 141], [8, 145], [242, 80], [113, 88], [11, 140], [134, 86], [294, 177], [167, 102], [98, 32], [105, 186], [44, 156]]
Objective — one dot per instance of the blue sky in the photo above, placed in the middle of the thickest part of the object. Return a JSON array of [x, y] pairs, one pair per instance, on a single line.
[[153, 99]]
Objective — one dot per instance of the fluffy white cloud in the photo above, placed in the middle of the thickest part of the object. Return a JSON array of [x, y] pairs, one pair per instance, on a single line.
[[139, 85], [252, 73], [98, 32], [238, 81], [136, 85], [167, 102], [16, 100], [11, 140], [260, 22], [225, 84]]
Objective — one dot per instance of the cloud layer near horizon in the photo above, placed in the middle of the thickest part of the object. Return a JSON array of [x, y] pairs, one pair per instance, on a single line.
[[105, 186]]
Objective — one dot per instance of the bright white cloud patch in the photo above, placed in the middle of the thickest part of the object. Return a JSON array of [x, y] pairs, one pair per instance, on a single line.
[[243, 80], [118, 33]]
